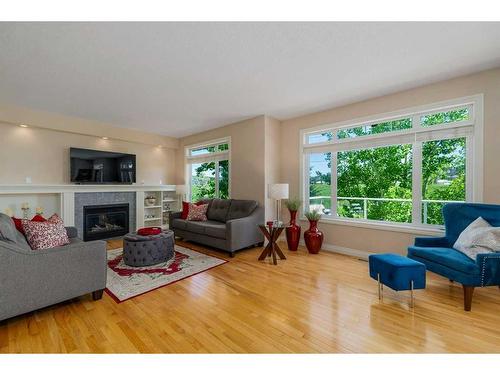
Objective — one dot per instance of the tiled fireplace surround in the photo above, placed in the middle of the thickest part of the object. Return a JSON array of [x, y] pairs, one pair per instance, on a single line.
[[92, 199]]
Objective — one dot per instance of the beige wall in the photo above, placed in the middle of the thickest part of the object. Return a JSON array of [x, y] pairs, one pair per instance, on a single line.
[[370, 240], [272, 162], [42, 150], [55, 121]]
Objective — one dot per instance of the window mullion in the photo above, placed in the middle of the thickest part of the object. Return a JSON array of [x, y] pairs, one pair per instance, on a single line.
[[469, 161], [417, 183], [187, 180], [217, 179], [306, 182], [333, 184]]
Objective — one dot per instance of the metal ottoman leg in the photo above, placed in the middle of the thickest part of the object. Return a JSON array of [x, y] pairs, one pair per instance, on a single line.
[[379, 287], [412, 301]]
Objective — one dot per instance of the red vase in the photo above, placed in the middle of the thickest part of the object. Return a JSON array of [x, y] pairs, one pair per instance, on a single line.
[[292, 232], [313, 237]]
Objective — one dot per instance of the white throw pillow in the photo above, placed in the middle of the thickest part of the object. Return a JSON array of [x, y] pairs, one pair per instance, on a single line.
[[478, 238]]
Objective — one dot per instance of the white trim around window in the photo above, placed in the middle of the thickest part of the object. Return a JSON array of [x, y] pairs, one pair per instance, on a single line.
[[216, 157], [470, 129]]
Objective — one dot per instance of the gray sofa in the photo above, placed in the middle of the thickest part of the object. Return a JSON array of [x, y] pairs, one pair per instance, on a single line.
[[232, 225], [32, 279]]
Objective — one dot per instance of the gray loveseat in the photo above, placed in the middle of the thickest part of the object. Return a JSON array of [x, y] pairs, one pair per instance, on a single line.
[[32, 279], [232, 225]]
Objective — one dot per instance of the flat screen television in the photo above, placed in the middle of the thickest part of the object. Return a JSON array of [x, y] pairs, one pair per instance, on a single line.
[[101, 167]]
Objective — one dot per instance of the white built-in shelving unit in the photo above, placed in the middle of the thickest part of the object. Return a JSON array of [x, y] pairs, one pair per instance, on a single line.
[[157, 207]]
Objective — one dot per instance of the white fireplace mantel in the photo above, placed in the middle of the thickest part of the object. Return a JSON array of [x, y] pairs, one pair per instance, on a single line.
[[63, 196], [74, 188]]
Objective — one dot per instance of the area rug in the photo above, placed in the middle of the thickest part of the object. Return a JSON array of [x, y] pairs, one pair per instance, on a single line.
[[125, 282]]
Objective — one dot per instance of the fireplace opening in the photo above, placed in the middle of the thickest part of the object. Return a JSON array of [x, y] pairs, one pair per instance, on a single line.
[[105, 221]]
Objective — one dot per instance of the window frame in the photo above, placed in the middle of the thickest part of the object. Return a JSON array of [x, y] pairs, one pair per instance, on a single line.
[[215, 157], [471, 129]]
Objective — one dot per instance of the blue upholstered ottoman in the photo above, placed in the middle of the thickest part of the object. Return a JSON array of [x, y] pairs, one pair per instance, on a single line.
[[397, 272]]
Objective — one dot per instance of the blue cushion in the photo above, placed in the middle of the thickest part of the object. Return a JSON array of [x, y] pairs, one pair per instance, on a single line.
[[458, 216], [397, 271], [445, 256], [450, 273]]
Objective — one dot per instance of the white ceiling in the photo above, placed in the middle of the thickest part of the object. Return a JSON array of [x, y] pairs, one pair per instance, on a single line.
[[181, 78]]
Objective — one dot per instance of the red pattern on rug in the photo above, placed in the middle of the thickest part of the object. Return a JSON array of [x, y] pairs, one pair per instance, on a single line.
[[125, 282], [172, 268]]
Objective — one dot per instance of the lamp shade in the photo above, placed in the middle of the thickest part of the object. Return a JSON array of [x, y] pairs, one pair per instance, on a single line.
[[180, 189], [278, 191]]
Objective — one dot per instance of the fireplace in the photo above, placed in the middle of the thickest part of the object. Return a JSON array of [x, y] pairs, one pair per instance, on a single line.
[[105, 221]]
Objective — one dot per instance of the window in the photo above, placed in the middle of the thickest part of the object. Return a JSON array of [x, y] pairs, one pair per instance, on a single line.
[[383, 127], [375, 183], [208, 170], [320, 187], [443, 176], [440, 118], [401, 168]]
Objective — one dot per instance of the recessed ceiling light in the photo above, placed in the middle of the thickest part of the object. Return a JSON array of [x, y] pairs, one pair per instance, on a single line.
[[23, 125], [105, 138], [160, 146]]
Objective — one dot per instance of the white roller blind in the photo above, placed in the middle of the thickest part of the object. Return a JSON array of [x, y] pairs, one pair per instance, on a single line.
[[388, 139], [207, 158], [444, 133], [361, 143]]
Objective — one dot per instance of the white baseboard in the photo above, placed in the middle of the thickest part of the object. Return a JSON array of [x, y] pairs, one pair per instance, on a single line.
[[343, 250], [361, 254]]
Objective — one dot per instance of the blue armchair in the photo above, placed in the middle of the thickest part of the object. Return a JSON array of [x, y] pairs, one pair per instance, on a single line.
[[438, 255]]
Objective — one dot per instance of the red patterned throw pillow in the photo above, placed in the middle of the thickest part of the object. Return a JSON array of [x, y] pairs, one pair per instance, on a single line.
[[45, 234], [19, 222], [40, 218], [54, 219], [197, 213], [185, 209]]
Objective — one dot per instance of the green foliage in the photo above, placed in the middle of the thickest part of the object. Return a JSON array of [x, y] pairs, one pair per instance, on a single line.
[[293, 204], [386, 172], [211, 149], [224, 178], [321, 190], [313, 215], [383, 127], [439, 157], [445, 117], [203, 182]]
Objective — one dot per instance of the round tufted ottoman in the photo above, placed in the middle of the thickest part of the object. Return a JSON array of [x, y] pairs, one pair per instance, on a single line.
[[140, 251]]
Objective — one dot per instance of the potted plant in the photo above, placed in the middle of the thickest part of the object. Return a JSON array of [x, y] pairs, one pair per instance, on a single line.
[[292, 231], [313, 237]]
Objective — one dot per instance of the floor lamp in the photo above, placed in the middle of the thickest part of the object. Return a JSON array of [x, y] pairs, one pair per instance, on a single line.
[[278, 192]]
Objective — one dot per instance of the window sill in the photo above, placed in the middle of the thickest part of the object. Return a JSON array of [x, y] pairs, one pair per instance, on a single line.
[[392, 227]]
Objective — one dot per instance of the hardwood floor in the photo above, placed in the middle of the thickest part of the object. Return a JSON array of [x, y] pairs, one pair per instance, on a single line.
[[307, 303]]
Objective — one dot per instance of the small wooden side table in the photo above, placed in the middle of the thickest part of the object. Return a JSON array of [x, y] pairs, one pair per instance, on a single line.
[[272, 249]]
